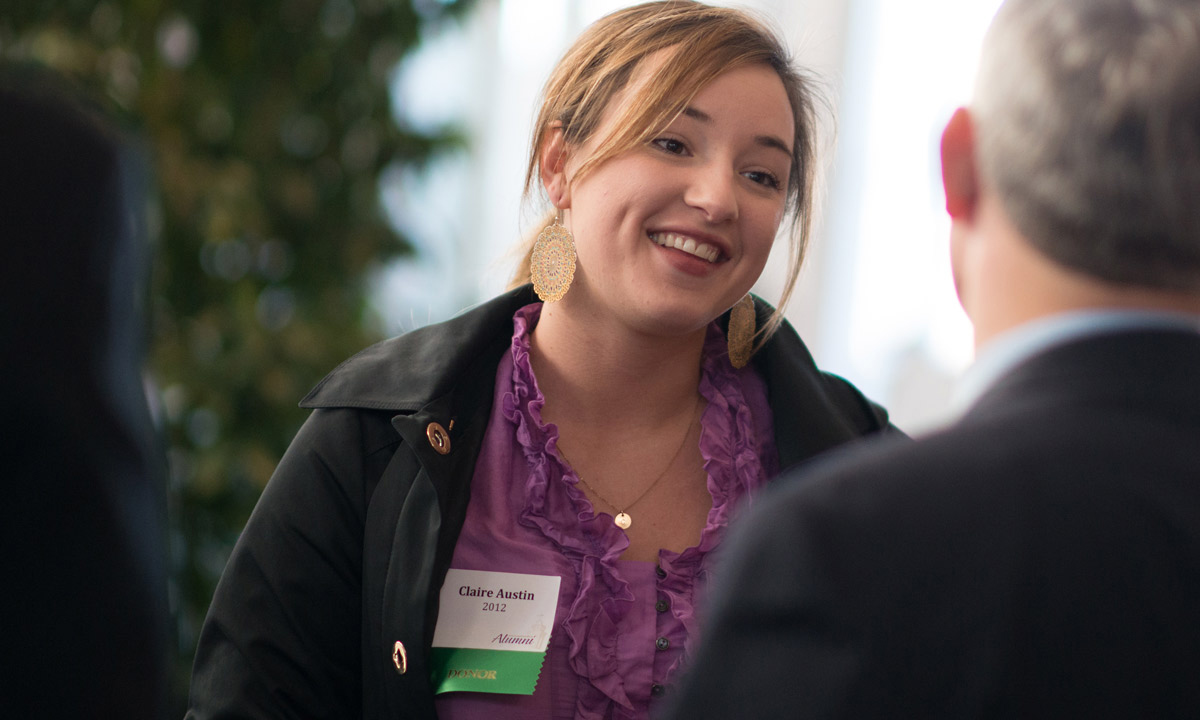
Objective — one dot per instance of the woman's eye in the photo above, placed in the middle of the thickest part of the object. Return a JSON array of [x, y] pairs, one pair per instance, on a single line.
[[670, 145], [765, 179]]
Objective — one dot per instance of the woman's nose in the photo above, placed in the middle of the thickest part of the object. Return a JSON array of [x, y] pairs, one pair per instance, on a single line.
[[712, 190]]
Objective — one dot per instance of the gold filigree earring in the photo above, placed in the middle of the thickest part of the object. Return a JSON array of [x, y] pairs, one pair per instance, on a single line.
[[740, 337], [552, 264]]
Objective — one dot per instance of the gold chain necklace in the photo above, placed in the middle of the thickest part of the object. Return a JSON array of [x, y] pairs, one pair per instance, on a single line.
[[623, 519]]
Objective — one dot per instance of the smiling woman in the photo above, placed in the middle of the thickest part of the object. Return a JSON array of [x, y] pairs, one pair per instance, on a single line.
[[671, 234], [592, 447]]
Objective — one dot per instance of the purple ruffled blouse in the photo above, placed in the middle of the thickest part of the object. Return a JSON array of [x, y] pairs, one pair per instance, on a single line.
[[622, 628]]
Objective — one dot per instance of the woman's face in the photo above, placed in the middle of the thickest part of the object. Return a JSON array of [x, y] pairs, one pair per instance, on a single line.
[[671, 234]]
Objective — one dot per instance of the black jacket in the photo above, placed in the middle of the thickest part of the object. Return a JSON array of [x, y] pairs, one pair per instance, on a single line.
[[342, 560]]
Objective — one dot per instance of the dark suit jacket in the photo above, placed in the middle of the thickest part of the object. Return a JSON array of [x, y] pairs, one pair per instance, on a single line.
[[1041, 558]]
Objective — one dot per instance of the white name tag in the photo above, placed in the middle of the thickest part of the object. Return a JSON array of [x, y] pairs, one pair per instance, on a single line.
[[492, 632]]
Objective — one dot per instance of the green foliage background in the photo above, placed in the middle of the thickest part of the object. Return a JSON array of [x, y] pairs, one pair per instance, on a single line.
[[269, 123]]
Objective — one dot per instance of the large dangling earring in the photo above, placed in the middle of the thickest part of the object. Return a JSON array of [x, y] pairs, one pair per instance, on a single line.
[[552, 265], [740, 337]]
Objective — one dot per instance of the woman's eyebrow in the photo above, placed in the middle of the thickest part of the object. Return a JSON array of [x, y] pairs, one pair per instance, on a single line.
[[770, 141]]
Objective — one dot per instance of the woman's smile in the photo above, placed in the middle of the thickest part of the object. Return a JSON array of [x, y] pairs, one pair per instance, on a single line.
[[700, 249]]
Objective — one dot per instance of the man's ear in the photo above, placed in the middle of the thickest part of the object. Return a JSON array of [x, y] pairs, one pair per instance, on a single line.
[[553, 167], [960, 179], [960, 172]]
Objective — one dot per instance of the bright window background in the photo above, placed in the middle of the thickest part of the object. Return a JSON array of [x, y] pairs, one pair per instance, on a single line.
[[876, 302], [889, 318]]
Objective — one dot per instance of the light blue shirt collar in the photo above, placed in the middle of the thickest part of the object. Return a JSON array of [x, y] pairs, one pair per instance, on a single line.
[[1011, 348]]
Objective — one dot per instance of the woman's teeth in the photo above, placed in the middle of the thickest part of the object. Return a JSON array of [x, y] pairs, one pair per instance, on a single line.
[[688, 245]]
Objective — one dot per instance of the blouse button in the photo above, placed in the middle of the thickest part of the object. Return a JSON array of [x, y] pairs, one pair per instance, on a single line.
[[439, 439], [662, 643], [657, 690], [660, 572], [662, 606]]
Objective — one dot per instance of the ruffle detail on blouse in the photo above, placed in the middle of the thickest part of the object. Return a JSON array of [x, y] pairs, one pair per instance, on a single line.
[[732, 447], [559, 509]]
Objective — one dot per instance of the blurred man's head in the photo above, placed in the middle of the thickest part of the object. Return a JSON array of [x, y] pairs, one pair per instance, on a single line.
[[1087, 117], [1084, 136]]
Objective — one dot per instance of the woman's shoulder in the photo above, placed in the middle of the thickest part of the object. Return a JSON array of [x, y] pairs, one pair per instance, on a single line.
[[405, 372]]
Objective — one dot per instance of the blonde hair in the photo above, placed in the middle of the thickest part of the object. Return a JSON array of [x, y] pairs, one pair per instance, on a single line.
[[700, 42]]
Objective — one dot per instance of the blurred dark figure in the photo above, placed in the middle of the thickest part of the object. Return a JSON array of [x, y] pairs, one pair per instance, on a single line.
[[85, 627]]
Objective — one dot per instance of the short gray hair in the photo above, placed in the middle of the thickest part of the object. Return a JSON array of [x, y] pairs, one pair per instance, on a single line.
[[1088, 123]]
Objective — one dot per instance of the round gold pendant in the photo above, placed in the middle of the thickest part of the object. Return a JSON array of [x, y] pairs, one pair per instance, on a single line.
[[623, 521]]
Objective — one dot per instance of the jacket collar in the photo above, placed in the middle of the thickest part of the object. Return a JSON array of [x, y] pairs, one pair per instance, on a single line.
[[406, 373], [1151, 369], [812, 411]]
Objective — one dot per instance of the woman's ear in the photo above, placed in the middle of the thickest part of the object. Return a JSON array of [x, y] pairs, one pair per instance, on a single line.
[[553, 167]]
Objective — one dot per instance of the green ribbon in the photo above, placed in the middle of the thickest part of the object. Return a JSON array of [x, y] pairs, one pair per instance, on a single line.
[[512, 672]]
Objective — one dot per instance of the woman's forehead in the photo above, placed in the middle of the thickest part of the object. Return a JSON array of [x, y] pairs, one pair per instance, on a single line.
[[653, 65]]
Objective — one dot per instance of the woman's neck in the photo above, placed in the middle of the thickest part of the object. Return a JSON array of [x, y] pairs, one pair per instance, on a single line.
[[609, 374]]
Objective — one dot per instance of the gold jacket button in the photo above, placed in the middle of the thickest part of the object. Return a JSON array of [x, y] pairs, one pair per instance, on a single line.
[[438, 438], [400, 658]]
